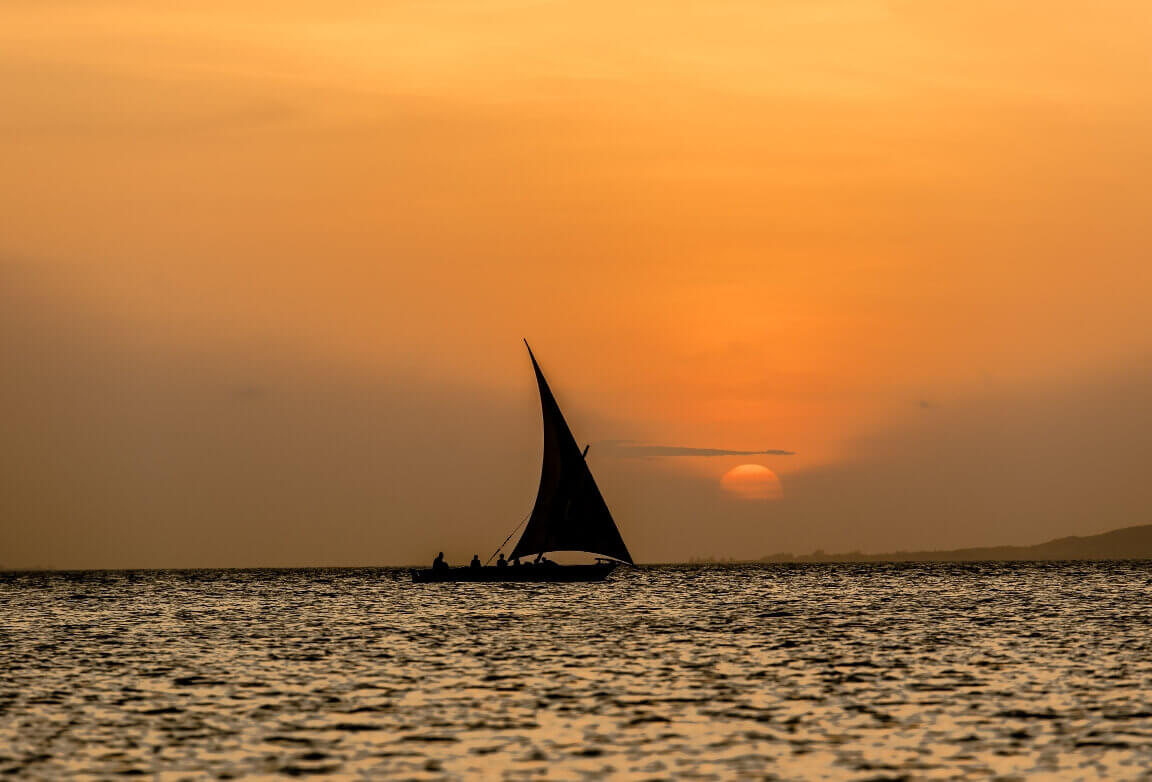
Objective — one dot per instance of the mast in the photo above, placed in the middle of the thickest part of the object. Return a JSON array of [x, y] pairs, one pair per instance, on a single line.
[[570, 514]]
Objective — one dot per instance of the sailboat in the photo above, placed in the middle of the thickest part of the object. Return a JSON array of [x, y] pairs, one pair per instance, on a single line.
[[569, 514]]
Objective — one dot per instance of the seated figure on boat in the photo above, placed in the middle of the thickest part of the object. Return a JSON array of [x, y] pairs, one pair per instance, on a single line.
[[475, 563], [501, 562], [439, 562]]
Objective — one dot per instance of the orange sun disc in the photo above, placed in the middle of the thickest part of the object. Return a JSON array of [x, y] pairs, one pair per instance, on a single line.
[[752, 482]]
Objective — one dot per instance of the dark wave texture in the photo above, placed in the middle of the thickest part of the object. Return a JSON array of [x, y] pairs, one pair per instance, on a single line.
[[838, 671]]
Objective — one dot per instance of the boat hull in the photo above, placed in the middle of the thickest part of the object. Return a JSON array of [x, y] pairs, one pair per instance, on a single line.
[[524, 573]]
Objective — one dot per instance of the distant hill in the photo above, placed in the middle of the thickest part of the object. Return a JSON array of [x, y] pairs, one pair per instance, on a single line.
[[1126, 543]]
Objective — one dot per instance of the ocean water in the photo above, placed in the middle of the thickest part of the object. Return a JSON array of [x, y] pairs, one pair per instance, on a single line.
[[920, 671]]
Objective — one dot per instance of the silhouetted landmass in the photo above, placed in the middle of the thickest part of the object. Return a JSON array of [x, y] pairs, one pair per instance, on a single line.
[[1126, 543]]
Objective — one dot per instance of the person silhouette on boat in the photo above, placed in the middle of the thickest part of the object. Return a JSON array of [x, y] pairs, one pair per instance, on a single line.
[[439, 562], [475, 561], [501, 562], [515, 561]]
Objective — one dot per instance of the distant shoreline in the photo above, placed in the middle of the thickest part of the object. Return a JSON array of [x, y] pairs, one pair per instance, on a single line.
[[1128, 543], [1121, 544]]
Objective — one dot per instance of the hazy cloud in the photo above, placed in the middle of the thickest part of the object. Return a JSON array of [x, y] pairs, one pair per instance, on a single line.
[[624, 448], [249, 391]]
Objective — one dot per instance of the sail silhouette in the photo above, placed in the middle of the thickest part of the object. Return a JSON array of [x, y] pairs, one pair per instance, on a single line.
[[569, 514]]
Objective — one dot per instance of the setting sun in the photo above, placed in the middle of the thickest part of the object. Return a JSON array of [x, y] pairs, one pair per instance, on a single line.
[[752, 482]]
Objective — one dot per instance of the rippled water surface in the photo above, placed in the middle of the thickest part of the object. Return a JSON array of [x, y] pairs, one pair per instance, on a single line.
[[805, 671]]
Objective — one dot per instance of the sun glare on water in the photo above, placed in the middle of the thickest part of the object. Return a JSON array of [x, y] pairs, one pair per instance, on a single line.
[[752, 482]]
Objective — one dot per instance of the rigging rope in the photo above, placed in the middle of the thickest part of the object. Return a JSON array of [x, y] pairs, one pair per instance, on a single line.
[[510, 534]]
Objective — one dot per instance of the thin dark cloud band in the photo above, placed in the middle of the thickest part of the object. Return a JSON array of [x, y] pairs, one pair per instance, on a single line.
[[623, 448]]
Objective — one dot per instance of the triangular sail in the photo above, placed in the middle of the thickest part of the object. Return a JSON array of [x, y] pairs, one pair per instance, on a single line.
[[570, 514]]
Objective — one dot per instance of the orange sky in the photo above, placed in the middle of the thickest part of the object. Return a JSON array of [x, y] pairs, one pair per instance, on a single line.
[[802, 225]]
